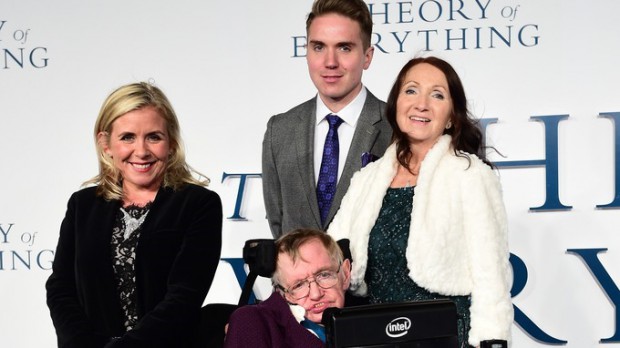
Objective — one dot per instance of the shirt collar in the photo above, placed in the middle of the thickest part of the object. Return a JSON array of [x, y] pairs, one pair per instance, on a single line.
[[349, 114]]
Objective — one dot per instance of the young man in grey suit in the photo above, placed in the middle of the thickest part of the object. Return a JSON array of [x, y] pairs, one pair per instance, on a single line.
[[311, 151]]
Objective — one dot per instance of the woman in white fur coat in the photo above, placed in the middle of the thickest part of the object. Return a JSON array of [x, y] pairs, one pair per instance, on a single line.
[[427, 220]]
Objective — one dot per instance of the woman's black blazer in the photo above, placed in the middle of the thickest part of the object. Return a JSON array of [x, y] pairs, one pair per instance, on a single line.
[[177, 254]]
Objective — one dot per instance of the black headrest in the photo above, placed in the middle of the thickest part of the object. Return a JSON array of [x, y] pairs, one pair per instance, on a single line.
[[346, 251], [261, 256]]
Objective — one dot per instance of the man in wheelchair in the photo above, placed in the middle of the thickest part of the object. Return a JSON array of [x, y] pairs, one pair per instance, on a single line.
[[311, 275]]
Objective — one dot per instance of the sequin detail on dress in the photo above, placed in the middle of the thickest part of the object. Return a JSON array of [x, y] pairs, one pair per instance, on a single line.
[[387, 274]]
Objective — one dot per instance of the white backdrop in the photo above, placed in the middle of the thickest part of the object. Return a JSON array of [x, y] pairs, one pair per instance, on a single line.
[[227, 66]]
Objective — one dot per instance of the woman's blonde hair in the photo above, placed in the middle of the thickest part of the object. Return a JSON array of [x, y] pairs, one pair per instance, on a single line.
[[125, 99]]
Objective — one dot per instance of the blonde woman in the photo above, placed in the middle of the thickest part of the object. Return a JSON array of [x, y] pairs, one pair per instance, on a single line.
[[137, 252]]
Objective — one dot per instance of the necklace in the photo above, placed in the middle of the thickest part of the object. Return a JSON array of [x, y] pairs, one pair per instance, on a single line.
[[131, 223]]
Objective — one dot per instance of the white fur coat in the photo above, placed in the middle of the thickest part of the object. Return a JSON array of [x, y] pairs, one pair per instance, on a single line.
[[458, 236]]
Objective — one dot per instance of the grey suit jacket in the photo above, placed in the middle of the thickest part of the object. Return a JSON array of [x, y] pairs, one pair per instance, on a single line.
[[289, 185]]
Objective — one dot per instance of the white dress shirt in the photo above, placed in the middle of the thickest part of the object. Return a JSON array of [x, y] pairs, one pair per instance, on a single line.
[[349, 114]]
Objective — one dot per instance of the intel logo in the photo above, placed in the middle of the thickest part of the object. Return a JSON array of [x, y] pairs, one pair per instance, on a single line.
[[398, 327]]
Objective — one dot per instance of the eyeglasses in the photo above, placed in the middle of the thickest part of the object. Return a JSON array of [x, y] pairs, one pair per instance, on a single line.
[[324, 279]]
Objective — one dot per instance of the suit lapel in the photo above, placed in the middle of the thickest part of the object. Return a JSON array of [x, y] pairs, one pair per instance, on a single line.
[[305, 154], [99, 238]]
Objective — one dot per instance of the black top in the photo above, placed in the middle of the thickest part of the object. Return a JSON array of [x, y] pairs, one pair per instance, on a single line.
[[125, 236]]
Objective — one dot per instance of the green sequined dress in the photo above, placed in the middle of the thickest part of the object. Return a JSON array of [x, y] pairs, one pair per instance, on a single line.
[[387, 274]]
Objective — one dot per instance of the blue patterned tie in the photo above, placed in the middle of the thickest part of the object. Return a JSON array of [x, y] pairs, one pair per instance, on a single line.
[[328, 175]]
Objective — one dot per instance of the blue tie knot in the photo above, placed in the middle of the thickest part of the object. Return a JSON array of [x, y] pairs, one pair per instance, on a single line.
[[334, 121]]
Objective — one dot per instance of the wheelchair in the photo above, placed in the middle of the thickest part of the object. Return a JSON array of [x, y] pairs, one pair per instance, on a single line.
[[260, 255], [342, 324]]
